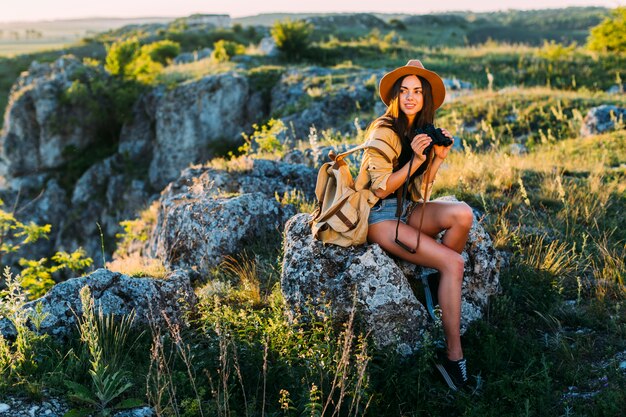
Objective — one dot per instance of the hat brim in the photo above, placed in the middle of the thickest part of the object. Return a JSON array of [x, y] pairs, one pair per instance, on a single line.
[[436, 83]]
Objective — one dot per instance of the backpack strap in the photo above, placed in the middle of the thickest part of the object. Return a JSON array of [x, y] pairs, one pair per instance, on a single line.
[[385, 149]]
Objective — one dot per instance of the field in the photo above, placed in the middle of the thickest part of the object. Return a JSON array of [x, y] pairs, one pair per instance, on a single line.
[[553, 343]]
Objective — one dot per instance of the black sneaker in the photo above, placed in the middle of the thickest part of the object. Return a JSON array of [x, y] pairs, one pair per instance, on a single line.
[[454, 372]]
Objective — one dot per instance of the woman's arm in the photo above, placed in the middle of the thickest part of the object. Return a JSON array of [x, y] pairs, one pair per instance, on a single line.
[[396, 179]]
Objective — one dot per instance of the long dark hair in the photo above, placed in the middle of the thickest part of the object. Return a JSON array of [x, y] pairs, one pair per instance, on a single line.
[[396, 120]]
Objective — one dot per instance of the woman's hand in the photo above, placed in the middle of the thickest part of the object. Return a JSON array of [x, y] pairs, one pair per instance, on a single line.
[[418, 144], [441, 152]]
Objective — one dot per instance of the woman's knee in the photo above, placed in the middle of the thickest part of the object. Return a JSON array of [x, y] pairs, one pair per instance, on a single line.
[[454, 265], [464, 215]]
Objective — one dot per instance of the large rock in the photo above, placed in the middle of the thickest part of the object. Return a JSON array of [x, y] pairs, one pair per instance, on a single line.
[[151, 299], [50, 206], [602, 119], [106, 194], [209, 213], [195, 120], [138, 135], [38, 126], [315, 274]]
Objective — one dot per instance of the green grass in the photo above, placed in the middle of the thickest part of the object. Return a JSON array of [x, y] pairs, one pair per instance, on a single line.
[[555, 329]]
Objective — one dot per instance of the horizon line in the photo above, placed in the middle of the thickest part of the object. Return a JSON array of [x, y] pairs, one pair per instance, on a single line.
[[75, 19]]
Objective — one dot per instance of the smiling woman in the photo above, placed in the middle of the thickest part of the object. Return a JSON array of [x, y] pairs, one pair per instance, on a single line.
[[408, 227]]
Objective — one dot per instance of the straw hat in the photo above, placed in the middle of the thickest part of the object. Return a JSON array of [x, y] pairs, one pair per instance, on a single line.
[[413, 67]]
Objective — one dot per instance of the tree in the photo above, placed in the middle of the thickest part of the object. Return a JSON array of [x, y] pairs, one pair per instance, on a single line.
[[130, 61], [610, 34], [292, 37], [120, 56]]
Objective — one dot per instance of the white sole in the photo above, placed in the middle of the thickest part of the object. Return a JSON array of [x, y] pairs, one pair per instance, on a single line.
[[445, 375]]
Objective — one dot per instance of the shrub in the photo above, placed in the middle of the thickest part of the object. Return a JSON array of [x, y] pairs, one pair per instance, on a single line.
[[120, 56], [36, 277], [20, 357], [106, 341], [265, 138], [127, 60], [556, 51], [292, 38], [610, 35], [223, 50], [162, 51]]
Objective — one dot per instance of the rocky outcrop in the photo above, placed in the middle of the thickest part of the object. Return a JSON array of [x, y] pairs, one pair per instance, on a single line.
[[322, 97], [38, 127], [315, 275], [137, 135], [602, 119], [195, 120], [169, 130], [209, 213], [267, 46], [114, 293], [187, 57], [107, 193]]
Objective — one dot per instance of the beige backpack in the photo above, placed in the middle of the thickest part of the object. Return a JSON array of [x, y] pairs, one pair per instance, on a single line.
[[343, 205]]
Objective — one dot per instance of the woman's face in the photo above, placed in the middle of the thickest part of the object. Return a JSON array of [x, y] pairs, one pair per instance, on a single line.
[[411, 97]]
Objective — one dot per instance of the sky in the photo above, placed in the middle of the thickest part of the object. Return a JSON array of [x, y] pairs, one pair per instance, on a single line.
[[33, 10]]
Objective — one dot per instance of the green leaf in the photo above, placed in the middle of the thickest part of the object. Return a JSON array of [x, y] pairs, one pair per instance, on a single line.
[[80, 392], [78, 412], [129, 403]]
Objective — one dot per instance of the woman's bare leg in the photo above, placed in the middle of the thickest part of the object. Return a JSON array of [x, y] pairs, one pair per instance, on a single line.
[[454, 217], [431, 254]]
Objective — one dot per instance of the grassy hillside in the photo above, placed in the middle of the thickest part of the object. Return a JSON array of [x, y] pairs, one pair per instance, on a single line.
[[550, 344], [553, 343]]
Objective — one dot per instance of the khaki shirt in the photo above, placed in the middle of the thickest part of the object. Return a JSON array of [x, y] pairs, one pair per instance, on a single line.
[[377, 167]]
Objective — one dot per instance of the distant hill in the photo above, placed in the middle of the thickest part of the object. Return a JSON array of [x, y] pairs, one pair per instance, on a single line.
[[565, 25], [64, 31]]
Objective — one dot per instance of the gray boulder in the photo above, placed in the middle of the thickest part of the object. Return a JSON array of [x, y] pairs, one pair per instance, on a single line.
[[104, 195], [315, 274], [137, 136], [188, 57], [602, 119], [268, 47], [210, 213], [38, 126], [151, 299], [195, 120]]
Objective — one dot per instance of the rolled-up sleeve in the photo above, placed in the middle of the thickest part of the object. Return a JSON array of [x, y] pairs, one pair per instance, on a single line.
[[379, 169]]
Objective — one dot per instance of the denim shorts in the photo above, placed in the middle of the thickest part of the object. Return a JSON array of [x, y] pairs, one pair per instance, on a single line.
[[386, 210]]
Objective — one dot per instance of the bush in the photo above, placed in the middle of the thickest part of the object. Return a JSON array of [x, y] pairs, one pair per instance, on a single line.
[[120, 56], [610, 35], [292, 38], [162, 51], [223, 50], [130, 61]]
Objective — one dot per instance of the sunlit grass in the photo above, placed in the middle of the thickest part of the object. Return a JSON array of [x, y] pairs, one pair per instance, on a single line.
[[178, 73]]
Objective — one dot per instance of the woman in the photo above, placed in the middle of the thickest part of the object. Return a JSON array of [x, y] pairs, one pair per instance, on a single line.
[[412, 95]]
